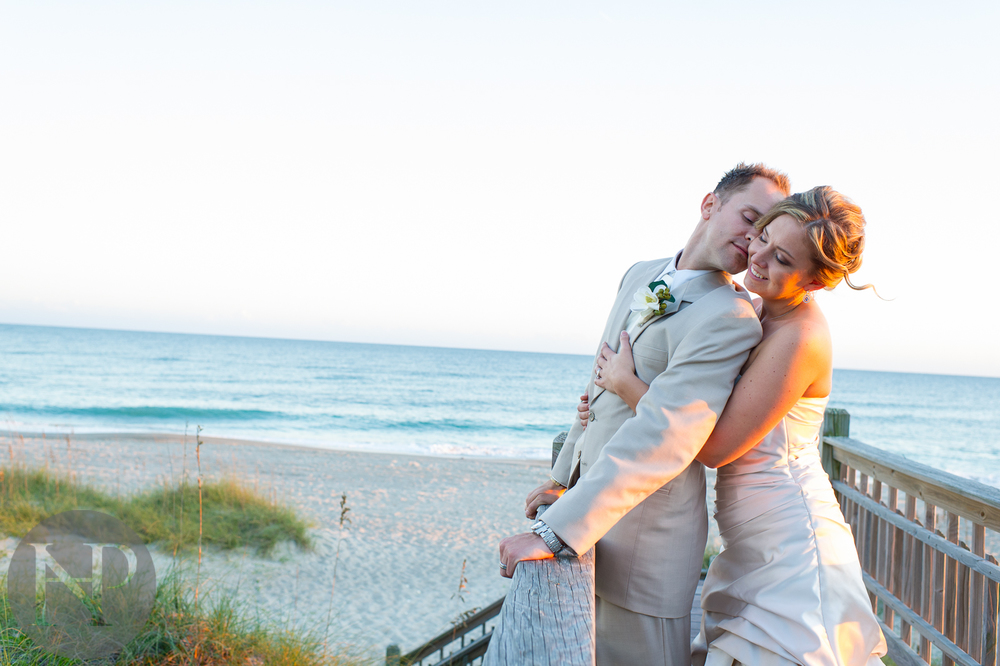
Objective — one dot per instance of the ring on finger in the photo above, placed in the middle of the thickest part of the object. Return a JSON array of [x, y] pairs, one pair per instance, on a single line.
[[503, 566]]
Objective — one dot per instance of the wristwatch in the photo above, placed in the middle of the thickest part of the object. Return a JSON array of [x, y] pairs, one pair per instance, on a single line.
[[548, 536]]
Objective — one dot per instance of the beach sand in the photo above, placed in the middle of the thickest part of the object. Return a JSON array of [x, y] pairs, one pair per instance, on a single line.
[[414, 521]]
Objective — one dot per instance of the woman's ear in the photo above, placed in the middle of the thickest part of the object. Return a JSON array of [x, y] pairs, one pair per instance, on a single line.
[[813, 286]]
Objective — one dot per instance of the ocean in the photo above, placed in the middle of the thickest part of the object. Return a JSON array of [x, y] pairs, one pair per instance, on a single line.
[[416, 400]]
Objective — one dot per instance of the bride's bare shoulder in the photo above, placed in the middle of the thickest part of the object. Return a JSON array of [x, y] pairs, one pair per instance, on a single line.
[[808, 333]]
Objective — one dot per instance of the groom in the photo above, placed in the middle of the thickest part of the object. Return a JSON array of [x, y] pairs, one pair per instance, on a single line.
[[632, 489]]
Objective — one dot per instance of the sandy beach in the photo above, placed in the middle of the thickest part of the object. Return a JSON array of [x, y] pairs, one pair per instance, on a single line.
[[414, 520]]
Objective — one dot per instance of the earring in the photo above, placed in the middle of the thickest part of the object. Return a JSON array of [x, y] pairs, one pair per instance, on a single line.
[[807, 297]]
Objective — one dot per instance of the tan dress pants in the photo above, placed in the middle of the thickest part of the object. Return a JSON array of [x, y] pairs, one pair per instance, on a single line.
[[625, 638]]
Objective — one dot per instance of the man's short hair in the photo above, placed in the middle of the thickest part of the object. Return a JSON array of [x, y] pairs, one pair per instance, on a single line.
[[739, 178]]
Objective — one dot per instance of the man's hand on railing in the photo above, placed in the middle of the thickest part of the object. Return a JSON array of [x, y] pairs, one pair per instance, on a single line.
[[521, 547], [547, 493]]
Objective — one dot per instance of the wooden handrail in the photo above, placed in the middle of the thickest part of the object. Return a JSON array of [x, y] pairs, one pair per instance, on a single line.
[[928, 583], [445, 638], [967, 498]]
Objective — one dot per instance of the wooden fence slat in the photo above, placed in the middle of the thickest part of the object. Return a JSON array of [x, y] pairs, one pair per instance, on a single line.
[[863, 525], [892, 563], [937, 589], [951, 588], [876, 551], [911, 569], [853, 518], [962, 605], [897, 563], [976, 596], [916, 575], [992, 593], [927, 589]]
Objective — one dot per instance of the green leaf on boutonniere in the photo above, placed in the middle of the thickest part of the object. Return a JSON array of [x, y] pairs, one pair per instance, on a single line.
[[661, 289]]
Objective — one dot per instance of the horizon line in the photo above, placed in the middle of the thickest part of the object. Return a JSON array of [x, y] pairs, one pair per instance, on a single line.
[[391, 344]]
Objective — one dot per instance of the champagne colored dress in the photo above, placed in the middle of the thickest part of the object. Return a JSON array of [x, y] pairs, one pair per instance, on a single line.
[[787, 588]]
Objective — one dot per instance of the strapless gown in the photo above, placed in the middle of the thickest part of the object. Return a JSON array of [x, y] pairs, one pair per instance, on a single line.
[[787, 587]]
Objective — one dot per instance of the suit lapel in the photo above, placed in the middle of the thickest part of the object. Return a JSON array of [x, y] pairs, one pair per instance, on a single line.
[[689, 292], [622, 310]]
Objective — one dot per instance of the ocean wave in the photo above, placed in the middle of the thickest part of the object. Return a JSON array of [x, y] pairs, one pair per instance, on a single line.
[[147, 413], [447, 425]]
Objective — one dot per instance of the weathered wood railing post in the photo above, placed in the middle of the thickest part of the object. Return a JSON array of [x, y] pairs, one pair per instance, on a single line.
[[557, 445], [548, 615], [392, 655], [836, 423]]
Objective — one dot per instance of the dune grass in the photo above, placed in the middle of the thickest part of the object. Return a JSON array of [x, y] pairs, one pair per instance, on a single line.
[[234, 515], [177, 632]]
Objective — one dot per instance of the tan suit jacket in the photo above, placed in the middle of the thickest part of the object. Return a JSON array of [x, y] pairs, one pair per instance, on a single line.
[[634, 491]]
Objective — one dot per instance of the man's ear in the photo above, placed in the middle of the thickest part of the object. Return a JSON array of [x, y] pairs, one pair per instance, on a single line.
[[710, 203]]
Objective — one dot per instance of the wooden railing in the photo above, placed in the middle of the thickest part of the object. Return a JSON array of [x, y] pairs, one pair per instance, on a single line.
[[462, 645], [934, 594]]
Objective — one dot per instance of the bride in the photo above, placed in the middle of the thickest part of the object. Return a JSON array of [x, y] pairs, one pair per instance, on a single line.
[[787, 588]]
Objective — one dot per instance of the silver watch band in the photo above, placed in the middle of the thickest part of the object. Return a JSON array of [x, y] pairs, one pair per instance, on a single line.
[[548, 536]]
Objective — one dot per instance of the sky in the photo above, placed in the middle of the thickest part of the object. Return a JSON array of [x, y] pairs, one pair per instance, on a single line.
[[481, 174]]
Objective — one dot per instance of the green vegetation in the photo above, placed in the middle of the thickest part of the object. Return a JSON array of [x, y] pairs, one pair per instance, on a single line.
[[177, 633], [179, 630], [234, 515], [710, 553]]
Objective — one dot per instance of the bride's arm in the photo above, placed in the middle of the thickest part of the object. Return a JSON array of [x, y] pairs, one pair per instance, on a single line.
[[617, 373], [785, 365]]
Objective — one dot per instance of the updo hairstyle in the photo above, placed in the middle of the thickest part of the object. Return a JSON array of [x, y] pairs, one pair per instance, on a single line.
[[835, 227]]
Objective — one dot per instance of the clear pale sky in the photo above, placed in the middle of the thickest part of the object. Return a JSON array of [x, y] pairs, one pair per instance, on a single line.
[[480, 174]]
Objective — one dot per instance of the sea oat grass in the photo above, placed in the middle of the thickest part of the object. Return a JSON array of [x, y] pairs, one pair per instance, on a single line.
[[234, 515], [177, 634]]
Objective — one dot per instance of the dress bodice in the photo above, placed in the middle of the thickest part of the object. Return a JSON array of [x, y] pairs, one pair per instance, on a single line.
[[796, 435]]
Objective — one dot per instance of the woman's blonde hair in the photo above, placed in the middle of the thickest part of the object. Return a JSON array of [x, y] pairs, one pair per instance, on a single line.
[[834, 225]]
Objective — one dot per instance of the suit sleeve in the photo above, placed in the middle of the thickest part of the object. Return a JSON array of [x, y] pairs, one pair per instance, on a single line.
[[672, 422]]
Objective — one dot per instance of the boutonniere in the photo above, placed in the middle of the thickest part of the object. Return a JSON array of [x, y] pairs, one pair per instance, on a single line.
[[652, 301]]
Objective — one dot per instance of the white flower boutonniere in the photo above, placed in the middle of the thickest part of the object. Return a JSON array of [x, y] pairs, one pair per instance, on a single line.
[[652, 300]]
